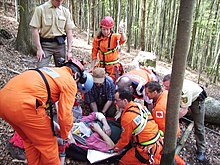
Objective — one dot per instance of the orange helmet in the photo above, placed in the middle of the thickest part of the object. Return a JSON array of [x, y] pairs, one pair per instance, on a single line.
[[107, 22]]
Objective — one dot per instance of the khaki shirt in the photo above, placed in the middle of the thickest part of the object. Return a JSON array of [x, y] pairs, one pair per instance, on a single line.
[[51, 21], [190, 93]]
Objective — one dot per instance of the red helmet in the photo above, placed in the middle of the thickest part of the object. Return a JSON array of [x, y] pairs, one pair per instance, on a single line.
[[107, 22]]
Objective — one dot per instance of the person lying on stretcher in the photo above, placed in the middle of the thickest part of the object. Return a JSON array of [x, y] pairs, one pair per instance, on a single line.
[[88, 133]]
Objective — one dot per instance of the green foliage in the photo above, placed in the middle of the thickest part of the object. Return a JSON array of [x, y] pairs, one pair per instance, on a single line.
[[161, 23]]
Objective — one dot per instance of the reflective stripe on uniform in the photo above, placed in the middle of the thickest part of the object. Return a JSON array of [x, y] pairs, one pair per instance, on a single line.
[[109, 63], [153, 140], [144, 118], [110, 51]]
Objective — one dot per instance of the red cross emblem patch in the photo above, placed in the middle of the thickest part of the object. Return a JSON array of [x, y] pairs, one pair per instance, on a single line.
[[159, 114]]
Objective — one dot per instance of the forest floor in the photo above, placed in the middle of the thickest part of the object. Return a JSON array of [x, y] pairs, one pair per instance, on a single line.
[[13, 62]]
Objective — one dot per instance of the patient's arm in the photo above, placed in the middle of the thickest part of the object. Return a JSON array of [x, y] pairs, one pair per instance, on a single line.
[[183, 112], [106, 127], [95, 127], [102, 118]]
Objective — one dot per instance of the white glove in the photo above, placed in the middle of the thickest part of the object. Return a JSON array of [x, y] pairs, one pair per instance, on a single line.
[[56, 128], [118, 114], [70, 139], [121, 27]]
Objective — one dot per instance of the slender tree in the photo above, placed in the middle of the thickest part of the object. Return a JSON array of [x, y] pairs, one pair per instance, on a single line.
[[143, 22], [73, 12], [129, 24], [147, 38], [24, 42], [161, 27], [136, 24], [88, 23], [118, 14], [194, 31], [178, 71], [93, 17]]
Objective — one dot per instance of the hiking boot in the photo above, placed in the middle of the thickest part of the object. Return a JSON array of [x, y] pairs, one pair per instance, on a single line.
[[16, 152], [200, 156]]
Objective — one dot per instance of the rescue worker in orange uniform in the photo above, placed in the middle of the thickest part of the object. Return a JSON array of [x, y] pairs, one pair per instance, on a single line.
[[139, 127], [23, 101], [154, 91], [106, 48], [136, 79]]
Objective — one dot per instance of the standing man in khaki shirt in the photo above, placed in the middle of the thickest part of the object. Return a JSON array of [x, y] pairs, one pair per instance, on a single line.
[[193, 98], [51, 24]]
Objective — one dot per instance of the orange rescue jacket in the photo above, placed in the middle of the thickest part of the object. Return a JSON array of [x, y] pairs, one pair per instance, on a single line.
[[101, 45], [159, 111], [129, 121], [30, 87]]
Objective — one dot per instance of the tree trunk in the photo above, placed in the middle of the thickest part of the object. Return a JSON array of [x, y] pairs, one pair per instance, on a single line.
[[203, 50], [110, 6], [73, 12], [93, 17], [88, 23], [103, 8], [129, 25], [97, 18], [118, 14], [194, 31], [161, 27], [178, 71], [17, 11], [136, 19], [24, 41], [172, 27], [143, 22], [209, 62], [217, 68], [148, 29], [80, 15]]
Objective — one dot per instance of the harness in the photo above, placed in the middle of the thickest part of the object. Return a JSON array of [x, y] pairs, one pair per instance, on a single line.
[[109, 63], [113, 70], [108, 52], [49, 103], [143, 116], [144, 119]]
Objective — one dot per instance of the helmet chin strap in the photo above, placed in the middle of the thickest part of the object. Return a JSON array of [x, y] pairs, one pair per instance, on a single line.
[[75, 76], [138, 89]]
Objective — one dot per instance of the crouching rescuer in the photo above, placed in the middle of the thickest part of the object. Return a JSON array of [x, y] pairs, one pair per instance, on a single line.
[[139, 128], [31, 94]]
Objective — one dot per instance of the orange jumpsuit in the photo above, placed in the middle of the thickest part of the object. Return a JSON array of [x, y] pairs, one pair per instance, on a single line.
[[18, 107], [100, 46], [159, 112], [159, 115], [129, 121], [140, 76]]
